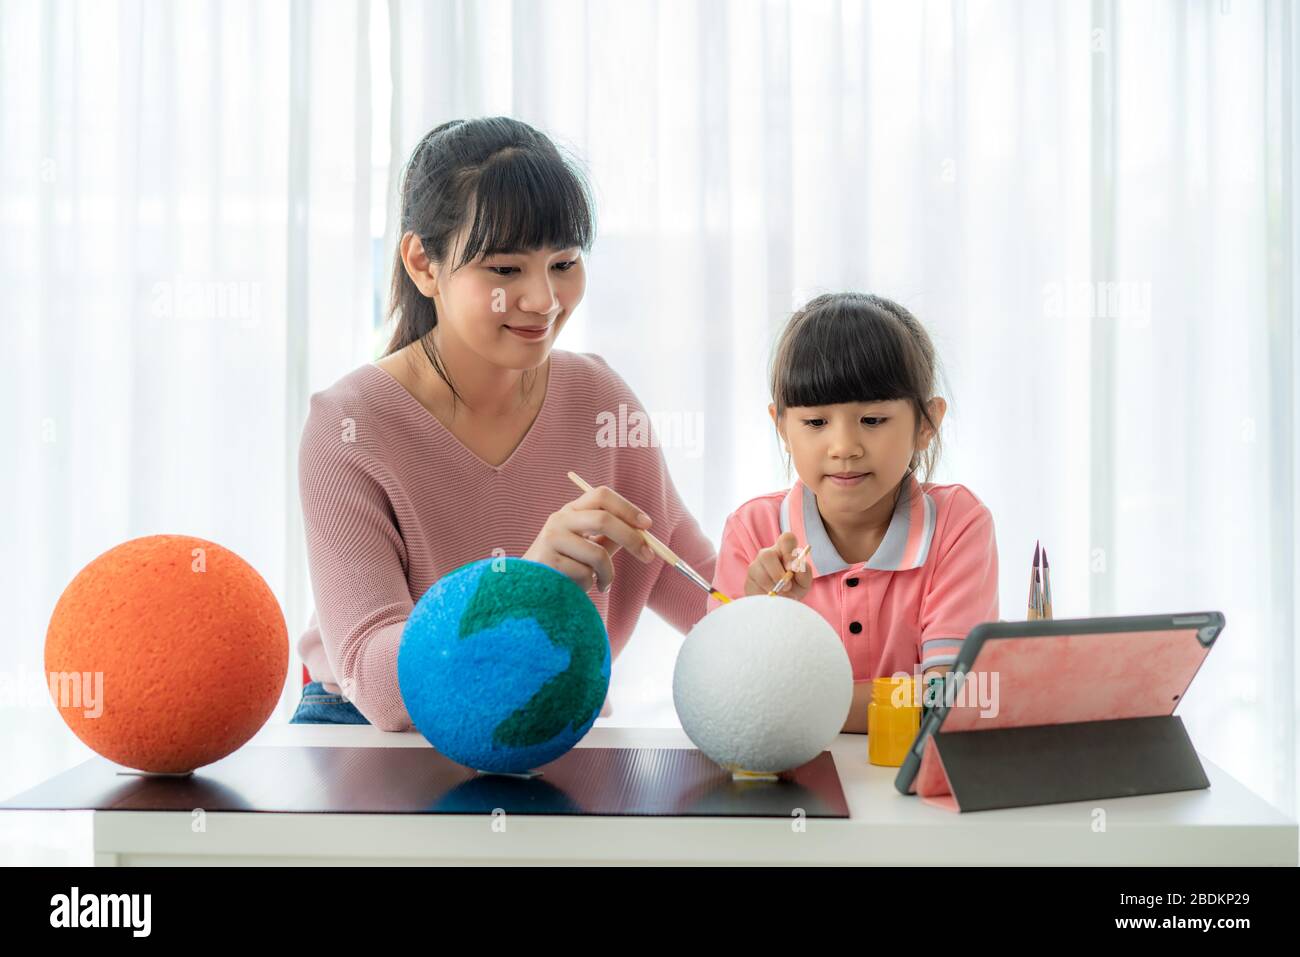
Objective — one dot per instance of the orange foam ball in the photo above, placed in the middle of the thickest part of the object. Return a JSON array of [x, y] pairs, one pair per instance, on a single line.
[[186, 642]]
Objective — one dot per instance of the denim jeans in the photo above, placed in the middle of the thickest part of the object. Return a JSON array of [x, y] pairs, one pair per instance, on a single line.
[[318, 706]]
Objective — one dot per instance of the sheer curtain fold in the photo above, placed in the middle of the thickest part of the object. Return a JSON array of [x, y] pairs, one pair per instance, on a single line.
[[185, 193], [1090, 206]]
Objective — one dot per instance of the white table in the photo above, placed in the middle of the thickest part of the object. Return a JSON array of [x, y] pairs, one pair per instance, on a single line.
[[1226, 824]]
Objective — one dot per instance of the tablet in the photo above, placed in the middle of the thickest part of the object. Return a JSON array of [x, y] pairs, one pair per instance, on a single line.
[[1029, 673]]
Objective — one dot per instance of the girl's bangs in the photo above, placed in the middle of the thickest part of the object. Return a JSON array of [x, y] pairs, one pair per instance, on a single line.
[[840, 355]]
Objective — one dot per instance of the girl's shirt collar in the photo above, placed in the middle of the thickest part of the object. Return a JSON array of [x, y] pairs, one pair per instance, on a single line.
[[906, 543]]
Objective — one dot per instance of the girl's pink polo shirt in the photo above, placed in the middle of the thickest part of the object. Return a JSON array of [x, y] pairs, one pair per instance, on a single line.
[[933, 578]]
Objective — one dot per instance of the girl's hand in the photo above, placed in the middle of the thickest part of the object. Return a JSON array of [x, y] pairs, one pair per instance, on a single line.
[[770, 565], [581, 537]]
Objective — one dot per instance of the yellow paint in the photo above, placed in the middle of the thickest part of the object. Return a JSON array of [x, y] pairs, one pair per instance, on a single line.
[[893, 719]]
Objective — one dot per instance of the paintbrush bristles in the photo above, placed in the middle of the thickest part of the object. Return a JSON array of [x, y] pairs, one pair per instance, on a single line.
[[1040, 586]]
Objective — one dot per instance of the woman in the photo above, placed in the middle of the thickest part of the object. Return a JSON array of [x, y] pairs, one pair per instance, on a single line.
[[455, 446]]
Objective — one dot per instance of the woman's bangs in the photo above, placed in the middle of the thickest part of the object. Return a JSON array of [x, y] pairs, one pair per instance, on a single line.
[[523, 202]]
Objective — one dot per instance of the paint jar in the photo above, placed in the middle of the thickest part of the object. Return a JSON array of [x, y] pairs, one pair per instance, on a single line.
[[893, 719]]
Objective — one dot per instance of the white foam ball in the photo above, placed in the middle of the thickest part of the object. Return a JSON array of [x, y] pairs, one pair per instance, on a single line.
[[762, 684]]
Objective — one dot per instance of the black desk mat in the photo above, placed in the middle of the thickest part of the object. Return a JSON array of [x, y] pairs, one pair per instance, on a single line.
[[672, 782]]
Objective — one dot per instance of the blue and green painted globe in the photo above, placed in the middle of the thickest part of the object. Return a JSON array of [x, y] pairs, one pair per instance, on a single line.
[[504, 664]]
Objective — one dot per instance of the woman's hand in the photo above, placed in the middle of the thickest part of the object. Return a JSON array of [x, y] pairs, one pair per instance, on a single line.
[[580, 539], [770, 565]]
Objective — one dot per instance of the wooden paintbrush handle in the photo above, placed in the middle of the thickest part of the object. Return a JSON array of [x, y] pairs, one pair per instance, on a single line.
[[656, 546]]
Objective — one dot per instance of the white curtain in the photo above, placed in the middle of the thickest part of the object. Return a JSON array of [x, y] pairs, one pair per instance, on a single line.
[[186, 256], [1090, 206]]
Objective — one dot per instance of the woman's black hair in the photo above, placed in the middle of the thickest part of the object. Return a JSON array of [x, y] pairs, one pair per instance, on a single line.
[[509, 182], [856, 347]]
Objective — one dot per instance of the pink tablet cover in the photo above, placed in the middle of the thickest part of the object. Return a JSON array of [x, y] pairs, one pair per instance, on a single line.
[[1062, 679]]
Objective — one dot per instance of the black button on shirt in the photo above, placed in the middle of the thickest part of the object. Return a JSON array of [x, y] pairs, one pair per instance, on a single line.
[[855, 626], [850, 582]]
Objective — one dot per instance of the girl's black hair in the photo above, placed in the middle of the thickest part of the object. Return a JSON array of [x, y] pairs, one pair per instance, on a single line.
[[856, 347], [509, 182]]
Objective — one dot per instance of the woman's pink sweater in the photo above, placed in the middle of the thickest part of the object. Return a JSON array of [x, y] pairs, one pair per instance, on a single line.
[[392, 501]]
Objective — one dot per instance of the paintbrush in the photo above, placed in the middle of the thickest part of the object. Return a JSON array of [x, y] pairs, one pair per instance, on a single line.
[[1047, 587], [1033, 587], [796, 564], [663, 551]]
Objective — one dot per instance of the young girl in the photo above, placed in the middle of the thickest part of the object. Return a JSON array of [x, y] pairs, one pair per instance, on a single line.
[[456, 445], [901, 568]]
